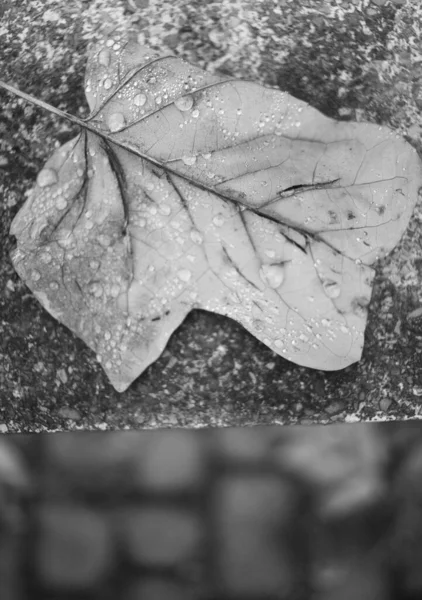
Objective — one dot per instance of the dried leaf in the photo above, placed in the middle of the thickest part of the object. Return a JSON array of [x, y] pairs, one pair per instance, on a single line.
[[186, 190]]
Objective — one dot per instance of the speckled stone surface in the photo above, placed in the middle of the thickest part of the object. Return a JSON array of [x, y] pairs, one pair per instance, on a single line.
[[353, 60]]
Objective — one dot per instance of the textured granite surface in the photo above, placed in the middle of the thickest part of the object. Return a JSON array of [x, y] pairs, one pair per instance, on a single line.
[[354, 60]]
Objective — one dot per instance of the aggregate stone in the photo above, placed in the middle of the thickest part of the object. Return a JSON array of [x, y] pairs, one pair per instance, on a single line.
[[74, 548]]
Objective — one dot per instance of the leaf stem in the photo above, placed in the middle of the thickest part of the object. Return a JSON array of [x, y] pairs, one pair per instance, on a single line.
[[41, 103]]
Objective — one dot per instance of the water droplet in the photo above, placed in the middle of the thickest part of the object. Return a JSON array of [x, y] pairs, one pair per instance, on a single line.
[[96, 289], [196, 237], [92, 151], [104, 57], [270, 253], [278, 343], [184, 103], [184, 275], [195, 113], [207, 155], [104, 240], [46, 258], [66, 240], [116, 121], [36, 275], [89, 225], [47, 177], [152, 210], [107, 83], [218, 220], [158, 100], [54, 285], [150, 186], [94, 264], [115, 290], [108, 365], [189, 160], [331, 289], [139, 99], [61, 203], [107, 335], [344, 329], [164, 209], [272, 275], [325, 322]]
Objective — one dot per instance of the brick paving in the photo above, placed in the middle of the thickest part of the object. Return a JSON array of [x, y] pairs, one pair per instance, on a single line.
[[237, 514]]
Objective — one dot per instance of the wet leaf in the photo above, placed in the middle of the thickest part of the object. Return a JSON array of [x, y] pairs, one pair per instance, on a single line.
[[187, 190]]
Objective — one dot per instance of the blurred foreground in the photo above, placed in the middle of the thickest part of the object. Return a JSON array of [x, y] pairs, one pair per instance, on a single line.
[[264, 513]]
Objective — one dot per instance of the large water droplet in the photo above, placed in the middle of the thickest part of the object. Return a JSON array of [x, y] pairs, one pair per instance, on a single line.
[[272, 275], [139, 99], [184, 103], [184, 275], [66, 240], [35, 275], [278, 343], [218, 220], [47, 177], [115, 290], [189, 160], [61, 203], [116, 121], [46, 258], [165, 209], [96, 289], [196, 237], [331, 289], [108, 84], [54, 285], [104, 57]]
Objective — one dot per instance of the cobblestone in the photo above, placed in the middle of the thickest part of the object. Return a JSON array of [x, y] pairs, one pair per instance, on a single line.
[[250, 511], [242, 444], [160, 537], [74, 549], [172, 462], [159, 589]]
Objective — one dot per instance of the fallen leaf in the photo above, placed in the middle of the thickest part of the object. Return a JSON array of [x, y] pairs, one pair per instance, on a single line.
[[187, 190]]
